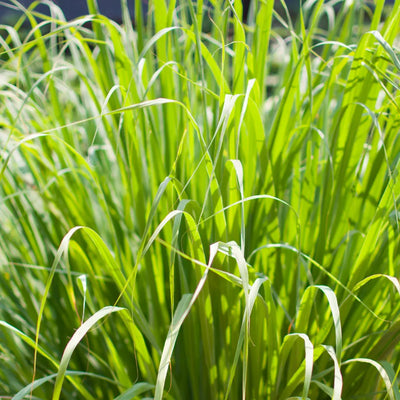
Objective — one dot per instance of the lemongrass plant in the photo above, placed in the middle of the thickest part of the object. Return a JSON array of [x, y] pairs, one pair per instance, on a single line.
[[194, 207]]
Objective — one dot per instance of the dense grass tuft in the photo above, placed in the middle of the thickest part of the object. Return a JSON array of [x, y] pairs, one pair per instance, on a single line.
[[198, 208]]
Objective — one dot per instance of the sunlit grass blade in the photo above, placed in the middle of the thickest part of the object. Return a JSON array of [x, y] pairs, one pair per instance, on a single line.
[[74, 341]]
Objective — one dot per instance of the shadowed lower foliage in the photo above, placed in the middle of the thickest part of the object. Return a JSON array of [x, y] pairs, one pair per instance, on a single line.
[[197, 208]]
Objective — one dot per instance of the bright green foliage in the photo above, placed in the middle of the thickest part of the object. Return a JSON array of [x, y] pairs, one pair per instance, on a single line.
[[230, 189]]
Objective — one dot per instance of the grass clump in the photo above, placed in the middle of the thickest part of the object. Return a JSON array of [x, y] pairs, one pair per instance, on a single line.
[[215, 201]]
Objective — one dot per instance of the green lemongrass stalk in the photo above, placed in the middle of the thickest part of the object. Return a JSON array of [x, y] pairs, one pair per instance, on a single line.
[[133, 153]]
